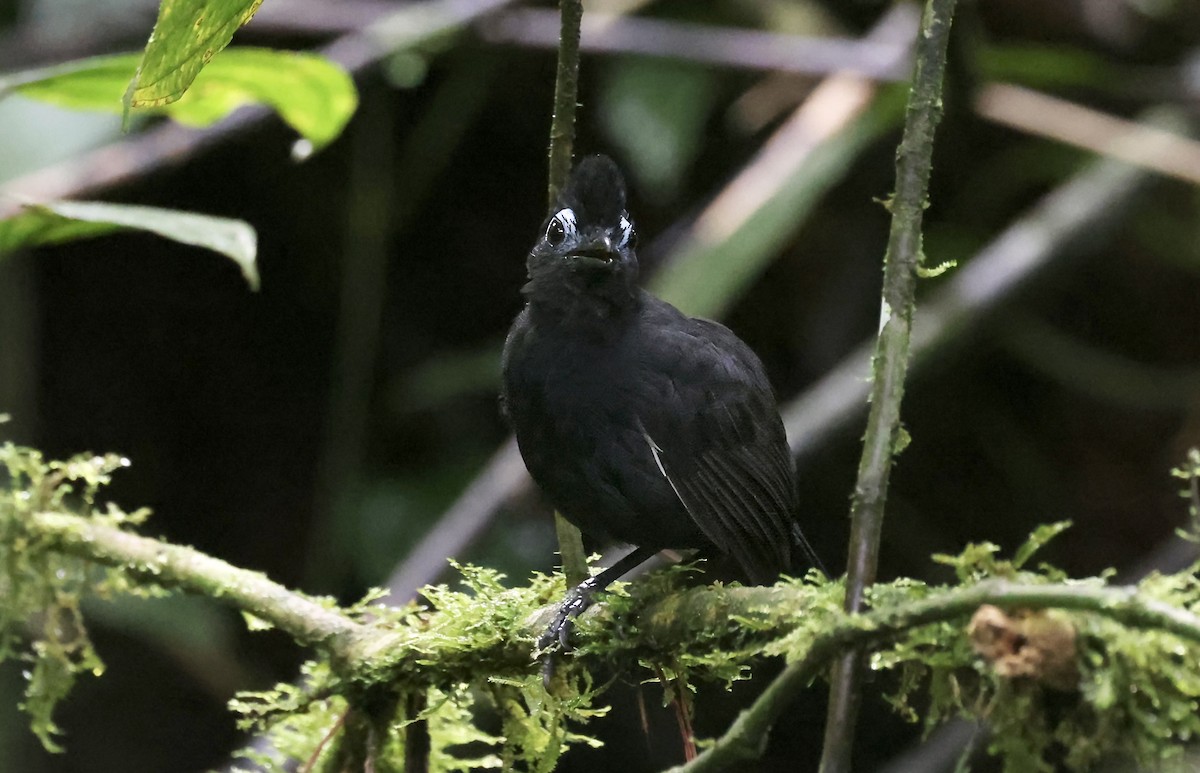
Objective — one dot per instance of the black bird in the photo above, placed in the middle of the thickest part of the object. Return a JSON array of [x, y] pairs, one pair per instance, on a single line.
[[640, 424]]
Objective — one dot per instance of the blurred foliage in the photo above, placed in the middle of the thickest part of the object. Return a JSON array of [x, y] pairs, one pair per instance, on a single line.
[[656, 112], [1049, 67]]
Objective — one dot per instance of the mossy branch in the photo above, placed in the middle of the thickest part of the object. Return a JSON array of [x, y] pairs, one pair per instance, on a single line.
[[306, 619], [1130, 656], [747, 736], [883, 434], [717, 615]]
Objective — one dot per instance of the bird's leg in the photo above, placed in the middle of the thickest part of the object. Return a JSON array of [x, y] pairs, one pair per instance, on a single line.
[[578, 599]]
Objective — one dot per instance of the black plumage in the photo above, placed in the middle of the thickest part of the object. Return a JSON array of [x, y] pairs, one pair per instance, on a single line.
[[639, 423]]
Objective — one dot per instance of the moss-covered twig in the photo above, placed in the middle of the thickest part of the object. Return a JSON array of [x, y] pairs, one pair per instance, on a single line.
[[717, 615], [483, 635], [883, 434], [306, 619]]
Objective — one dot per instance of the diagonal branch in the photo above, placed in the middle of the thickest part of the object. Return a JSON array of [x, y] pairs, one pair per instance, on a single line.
[[308, 620], [707, 43]]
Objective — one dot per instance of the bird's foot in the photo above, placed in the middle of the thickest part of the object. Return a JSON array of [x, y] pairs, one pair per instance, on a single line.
[[557, 636]]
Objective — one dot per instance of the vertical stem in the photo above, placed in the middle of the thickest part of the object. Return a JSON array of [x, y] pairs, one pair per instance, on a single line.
[[566, 95], [913, 160], [562, 140]]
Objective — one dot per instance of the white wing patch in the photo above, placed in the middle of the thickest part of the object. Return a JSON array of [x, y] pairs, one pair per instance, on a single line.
[[656, 451]]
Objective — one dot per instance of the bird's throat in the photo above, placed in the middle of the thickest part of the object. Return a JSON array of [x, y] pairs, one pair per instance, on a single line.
[[599, 310]]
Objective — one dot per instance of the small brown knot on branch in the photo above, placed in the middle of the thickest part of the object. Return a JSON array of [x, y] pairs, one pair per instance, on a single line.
[[1032, 644]]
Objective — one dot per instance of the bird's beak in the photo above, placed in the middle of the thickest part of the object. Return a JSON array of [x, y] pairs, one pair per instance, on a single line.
[[599, 251]]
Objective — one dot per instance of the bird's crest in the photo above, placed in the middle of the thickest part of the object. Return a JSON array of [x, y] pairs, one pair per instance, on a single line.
[[595, 191]]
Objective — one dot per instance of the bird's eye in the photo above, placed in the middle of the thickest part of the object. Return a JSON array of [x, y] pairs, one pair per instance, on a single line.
[[560, 227]]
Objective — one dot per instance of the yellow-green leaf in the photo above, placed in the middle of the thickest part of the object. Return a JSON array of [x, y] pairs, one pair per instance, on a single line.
[[186, 36], [63, 221], [313, 95]]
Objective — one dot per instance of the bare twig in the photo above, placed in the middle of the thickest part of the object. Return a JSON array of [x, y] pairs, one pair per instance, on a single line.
[[882, 440], [566, 97]]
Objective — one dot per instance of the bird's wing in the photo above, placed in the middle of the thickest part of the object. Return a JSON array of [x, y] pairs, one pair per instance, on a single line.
[[725, 453]]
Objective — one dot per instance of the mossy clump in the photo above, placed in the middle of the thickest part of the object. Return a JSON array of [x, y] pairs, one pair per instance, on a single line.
[[41, 589]]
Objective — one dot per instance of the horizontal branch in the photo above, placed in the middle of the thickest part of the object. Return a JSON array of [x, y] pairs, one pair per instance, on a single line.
[[706, 43], [422, 645]]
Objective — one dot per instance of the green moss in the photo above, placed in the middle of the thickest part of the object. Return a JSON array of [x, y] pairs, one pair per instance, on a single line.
[[1138, 696], [40, 619]]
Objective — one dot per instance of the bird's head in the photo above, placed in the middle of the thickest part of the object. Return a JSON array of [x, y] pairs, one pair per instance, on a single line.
[[584, 257]]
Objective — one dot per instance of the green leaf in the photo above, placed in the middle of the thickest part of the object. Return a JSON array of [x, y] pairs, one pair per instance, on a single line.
[[63, 221], [186, 36], [312, 94]]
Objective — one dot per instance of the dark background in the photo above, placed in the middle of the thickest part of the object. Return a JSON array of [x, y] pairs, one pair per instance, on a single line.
[[314, 430]]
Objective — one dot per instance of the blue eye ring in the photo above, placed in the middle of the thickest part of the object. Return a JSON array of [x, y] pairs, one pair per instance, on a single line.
[[560, 227], [628, 234]]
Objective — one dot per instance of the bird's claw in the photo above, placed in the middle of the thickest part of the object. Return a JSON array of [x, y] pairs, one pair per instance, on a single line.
[[557, 636]]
